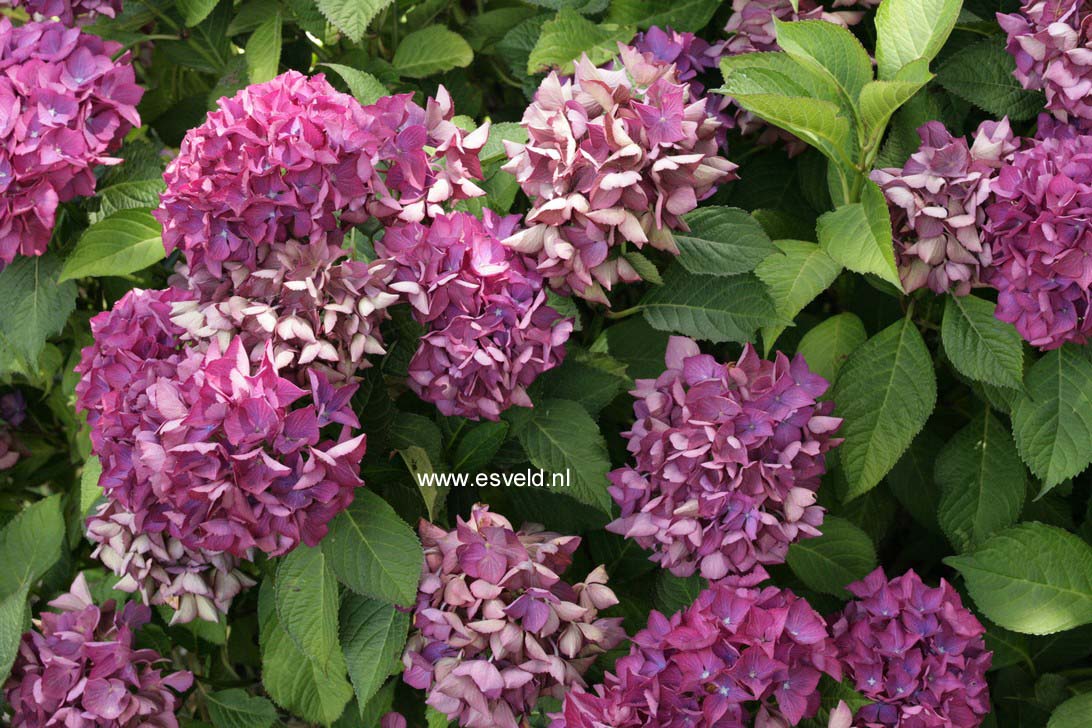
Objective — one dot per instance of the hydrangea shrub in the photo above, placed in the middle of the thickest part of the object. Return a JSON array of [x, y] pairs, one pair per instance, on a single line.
[[614, 364]]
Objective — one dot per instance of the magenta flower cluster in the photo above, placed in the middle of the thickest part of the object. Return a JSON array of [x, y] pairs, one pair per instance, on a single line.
[[67, 11], [293, 159], [495, 627], [490, 332], [915, 652], [728, 459], [80, 667], [615, 157], [65, 105], [1050, 41], [1042, 247], [938, 206], [737, 654]]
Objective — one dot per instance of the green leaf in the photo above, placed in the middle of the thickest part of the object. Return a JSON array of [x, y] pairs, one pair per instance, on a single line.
[[364, 87], [677, 592], [307, 602], [644, 267], [499, 133], [131, 195], [90, 490], [12, 620], [1073, 713], [713, 308], [1031, 578], [819, 123], [830, 50], [194, 11], [858, 236], [478, 446], [795, 274], [722, 241], [560, 436], [36, 304], [591, 379], [842, 555], [351, 17], [372, 636], [1053, 421], [982, 74], [235, 708], [293, 680], [684, 16], [982, 482], [431, 50], [30, 544], [907, 30], [569, 35], [122, 243], [980, 346], [827, 346], [885, 394], [263, 50], [880, 99], [373, 551]]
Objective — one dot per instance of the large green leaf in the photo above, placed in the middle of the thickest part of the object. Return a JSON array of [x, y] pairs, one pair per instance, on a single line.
[[676, 592], [1053, 421], [714, 308], [365, 87], [351, 17], [982, 73], [30, 544], [980, 346], [560, 436], [235, 708], [373, 551], [307, 602], [885, 393], [828, 49], [194, 11], [478, 446], [722, 241], [119, 244], [130, 195], [858, 235], [1031, 578], [982, 482], [12, 620], [431, 50], [775, 74], [842, 555], [36, 304], [591, 379], [821, 124], [295, 681], [880, 99], [569, 35], [1073, 713], [684, 15], [797, 273], [372, 636], [90, 490], [263, 49], [829, 345], [907, 30]]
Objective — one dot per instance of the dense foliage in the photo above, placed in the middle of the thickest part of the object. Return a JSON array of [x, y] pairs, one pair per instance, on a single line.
[[555, 363]]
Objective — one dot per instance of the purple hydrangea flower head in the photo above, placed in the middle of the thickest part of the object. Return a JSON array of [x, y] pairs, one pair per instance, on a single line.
[[737, 654], [1042, 245], [67, 11], [193, 582], [495, 627], [728, 459], [615, 156], [65, 105], [293, 159], [393, 720], [1052, 46], [938, 205], [914, 651], [11, 450], [490, 330], [80, 667], [320, 313], [13, 407]]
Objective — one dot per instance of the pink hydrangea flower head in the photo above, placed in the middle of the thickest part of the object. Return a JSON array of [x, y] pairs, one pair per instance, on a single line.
[[80, 667], [193, 582], [615, 156], [490, 330], [1042, 246], [1051, 44], [319, 313], [495, 627], [67, 105], [11, 450], [914, 651], [67, 12], [727, 461], [938, 205], [13, 407], [737, 654]]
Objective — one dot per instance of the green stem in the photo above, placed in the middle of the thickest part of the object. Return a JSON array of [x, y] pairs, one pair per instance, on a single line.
[[624, 313]]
